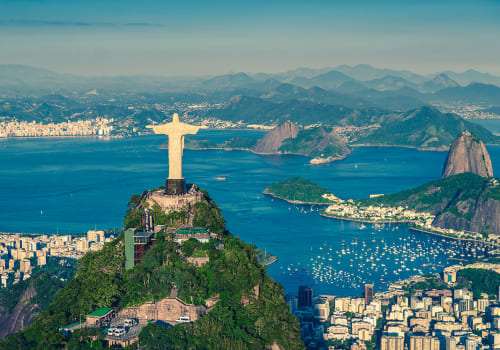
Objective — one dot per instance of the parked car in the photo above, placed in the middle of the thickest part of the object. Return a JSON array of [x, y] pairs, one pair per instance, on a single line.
[[129, 322], [183, 319], [119, 331], [111, 331]]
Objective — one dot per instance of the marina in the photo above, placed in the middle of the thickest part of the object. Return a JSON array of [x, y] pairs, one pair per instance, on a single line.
[[378, 255]]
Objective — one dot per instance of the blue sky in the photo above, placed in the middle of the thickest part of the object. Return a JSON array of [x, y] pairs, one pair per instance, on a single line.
[[125, 37]]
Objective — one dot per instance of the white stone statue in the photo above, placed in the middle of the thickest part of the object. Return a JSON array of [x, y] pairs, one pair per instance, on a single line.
[[175, 132]]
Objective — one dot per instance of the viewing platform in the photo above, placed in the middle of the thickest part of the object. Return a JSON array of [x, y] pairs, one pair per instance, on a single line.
[[175, 202]]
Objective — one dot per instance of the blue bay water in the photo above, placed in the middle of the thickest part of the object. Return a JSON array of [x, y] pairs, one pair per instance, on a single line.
[[70, 185]]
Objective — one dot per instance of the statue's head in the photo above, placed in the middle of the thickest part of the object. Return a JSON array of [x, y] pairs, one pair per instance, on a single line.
[[175, 118]]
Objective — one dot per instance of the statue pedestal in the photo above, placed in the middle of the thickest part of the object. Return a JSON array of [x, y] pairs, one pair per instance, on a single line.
[[175, 186]]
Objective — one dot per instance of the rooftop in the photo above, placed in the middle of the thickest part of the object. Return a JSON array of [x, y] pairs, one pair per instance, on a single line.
[[100, 312], [143, 234], [191, 231]]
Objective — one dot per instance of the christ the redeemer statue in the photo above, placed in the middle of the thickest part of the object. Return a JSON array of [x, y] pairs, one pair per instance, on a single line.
[[175, 131]]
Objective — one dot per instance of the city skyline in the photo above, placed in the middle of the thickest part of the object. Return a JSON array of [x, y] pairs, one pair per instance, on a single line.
[[126, 38]]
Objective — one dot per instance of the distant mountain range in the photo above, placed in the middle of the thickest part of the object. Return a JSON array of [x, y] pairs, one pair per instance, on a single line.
[[21, 77]]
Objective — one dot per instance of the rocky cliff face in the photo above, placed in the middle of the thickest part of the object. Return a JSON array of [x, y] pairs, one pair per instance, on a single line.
[[480, 215], [468, 154], [272, 141], [22, 315], [318, 143]]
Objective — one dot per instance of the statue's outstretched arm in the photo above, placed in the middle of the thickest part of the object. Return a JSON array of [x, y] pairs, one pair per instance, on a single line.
[[159, 129], [191, 129]]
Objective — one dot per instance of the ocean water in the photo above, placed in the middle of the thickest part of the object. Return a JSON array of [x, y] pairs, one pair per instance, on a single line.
[[70, 185]]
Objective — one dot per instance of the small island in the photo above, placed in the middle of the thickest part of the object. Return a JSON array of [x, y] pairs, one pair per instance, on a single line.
[[300, 191]]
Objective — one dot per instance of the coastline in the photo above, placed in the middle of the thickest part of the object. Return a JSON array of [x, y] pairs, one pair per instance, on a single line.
[[366, 221], [37, 234], [430, 149], [211, 148], [451, 237], [293, 201], [66, 137], [411, 228], [272, 259]]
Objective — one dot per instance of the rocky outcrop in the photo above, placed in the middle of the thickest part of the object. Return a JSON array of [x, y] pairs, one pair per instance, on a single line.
[[323, 144], [273, 140], [468, 154], [480, 215], [22, 316]]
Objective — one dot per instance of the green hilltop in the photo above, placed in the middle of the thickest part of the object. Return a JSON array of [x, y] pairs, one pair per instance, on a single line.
[[434, 196], [232, 274], [298, 189]]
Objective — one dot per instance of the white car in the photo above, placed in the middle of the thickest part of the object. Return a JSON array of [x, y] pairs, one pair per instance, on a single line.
[[111, 331], [119, 332], [129, 322], [183, 319]]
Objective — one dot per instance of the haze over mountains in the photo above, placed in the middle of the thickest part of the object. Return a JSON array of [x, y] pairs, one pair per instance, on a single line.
[[399, 107], [15, 79]]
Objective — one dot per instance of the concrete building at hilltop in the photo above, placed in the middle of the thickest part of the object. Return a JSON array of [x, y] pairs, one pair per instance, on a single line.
[[200, 234], [136, 244]]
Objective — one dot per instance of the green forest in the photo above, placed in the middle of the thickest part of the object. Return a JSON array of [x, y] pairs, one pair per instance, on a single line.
[[479, 281]]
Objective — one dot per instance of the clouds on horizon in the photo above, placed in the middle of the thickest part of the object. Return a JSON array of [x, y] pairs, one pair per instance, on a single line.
[[57, 23]]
